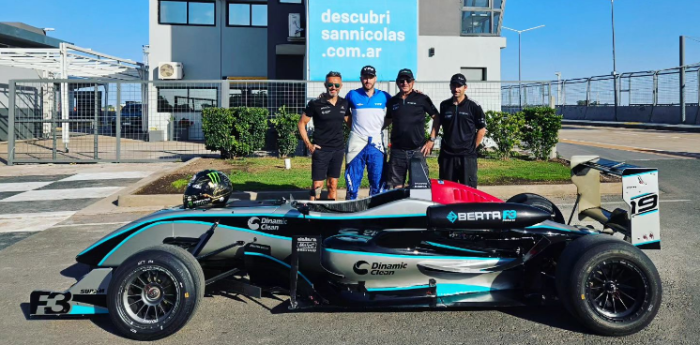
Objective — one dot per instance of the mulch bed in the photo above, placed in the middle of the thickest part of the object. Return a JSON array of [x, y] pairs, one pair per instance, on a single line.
[[164, 184]]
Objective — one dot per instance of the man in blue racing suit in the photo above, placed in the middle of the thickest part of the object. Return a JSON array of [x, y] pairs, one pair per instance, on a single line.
[[365, 144]]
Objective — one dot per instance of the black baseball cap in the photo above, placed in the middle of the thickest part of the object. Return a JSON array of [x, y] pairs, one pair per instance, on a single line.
[[458, 79], [368, 70], [405, 73]]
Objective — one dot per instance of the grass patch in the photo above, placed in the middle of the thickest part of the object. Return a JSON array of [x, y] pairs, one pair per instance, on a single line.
[[258, 174]]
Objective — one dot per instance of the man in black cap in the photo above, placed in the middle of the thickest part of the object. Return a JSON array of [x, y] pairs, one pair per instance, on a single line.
[[365, 144], [330, 113], [464, 126], [407, 111]]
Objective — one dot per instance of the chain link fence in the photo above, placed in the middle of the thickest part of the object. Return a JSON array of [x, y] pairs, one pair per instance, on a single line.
[[139, 121]]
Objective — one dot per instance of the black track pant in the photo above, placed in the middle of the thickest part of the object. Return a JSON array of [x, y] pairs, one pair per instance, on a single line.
[[460, 169]]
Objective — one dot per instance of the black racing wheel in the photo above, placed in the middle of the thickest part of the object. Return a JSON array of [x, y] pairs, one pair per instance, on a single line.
[[611, 286], [155, 292]]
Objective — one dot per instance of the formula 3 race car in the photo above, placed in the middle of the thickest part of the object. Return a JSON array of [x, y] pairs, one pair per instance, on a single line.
[[434, 244]]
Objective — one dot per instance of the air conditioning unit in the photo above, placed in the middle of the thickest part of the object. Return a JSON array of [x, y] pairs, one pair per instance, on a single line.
[[170, 70]]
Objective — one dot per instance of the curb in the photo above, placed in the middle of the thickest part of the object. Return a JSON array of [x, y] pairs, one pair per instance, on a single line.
[[638, 125], [111, 202], [503, 192]]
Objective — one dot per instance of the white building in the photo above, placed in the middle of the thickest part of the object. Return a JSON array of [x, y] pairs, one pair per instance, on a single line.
[[293, 40]]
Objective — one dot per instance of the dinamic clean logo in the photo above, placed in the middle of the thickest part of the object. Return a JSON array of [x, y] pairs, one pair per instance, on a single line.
[[254, 223], [357, 268]]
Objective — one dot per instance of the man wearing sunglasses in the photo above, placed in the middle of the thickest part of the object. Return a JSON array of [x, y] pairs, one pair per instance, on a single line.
[[407, 111], [365, 144], [464, 126], [329, 113]]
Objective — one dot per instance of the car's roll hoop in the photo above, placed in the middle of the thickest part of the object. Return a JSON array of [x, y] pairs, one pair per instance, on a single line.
[[640, 223]]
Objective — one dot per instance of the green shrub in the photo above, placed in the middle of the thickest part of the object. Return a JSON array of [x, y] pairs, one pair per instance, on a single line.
[[541, 131], [505, 130], [234, 132], [217, 125], [285, 124]]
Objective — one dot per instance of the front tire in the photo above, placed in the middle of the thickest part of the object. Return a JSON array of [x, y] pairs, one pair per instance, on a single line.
[[613, 288], [155, 292]]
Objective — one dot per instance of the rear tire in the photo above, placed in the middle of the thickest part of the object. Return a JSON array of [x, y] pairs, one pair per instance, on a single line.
[[612, 287], [155, 292], [540, 202]]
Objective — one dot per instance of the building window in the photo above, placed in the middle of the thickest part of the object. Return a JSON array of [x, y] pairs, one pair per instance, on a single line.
[[476, 3], [474, 73], [248, 97], [187, 12], [247, 14], [291, 1], [186, 99], [481, 17]]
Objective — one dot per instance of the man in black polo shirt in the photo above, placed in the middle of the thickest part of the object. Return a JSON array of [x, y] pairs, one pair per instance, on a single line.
[[328, 149], [407, 111], [464, 125]]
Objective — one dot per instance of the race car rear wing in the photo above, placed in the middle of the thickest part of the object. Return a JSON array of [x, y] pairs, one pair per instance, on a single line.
[[640, 223]]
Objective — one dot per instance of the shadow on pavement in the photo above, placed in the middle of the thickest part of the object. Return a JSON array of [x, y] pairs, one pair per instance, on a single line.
[[552, 316], [76, 271]]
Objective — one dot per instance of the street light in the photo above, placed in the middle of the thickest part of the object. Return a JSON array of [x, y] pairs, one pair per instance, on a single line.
[[612, 9], [558, 86], [520, 99]]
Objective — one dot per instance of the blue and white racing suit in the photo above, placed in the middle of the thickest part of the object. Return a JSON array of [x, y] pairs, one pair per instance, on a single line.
[[365, 145]]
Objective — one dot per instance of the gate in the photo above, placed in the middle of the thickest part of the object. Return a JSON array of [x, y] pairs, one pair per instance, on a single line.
[[89, 121]]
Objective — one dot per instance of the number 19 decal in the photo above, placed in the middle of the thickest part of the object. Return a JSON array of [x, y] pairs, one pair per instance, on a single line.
[[645, 204]]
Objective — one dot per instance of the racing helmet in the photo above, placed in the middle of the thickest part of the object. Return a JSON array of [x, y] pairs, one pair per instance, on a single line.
[[207, 187]]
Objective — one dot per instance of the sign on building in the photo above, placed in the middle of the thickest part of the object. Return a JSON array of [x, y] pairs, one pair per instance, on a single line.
[[346, 35]]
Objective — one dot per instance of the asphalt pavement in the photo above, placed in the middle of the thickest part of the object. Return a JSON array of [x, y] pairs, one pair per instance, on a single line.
[[37, 262]]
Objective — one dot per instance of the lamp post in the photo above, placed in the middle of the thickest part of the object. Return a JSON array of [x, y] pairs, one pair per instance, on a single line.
[[612, 9], [520, 99], [558, 87]]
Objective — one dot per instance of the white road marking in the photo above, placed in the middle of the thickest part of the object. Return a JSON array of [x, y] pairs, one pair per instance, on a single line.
[[622, 202], [63, 194], [108, 175], [89, 224], [22, 186], [31, 222]]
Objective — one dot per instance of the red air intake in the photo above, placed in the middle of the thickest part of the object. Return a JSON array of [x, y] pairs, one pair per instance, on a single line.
[[448, 192]]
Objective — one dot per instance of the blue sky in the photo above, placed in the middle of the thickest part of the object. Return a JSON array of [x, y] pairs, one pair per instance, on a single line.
[[115, 27], [575, 41], [577, 37]]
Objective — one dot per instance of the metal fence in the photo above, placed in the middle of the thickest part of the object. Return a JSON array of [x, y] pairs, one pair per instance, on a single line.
[[647, 88], [96, 120], [71, 120]]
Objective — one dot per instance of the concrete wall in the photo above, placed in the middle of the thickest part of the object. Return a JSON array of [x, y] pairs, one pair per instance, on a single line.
[[644, 114], [440, 28], [439, 17], [207, 53], [244, 53], [454, 52]]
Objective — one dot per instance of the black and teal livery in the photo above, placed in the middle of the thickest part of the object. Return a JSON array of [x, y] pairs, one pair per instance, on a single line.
[[396, 249]]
